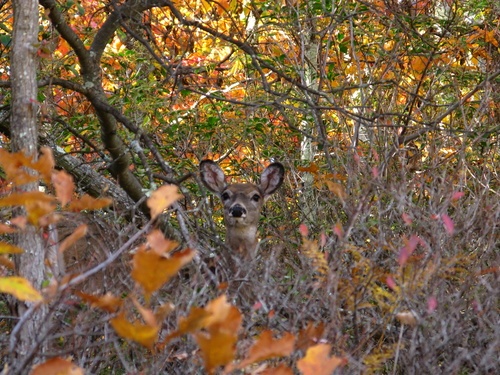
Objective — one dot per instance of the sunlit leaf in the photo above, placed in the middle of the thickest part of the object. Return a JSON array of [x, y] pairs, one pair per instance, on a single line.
[[318, 361], [162, 198], [20, 288]]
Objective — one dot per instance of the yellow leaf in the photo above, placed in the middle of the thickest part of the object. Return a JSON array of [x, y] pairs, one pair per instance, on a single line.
[[162, 198], [144, 334], [20, 288], [7, 248]]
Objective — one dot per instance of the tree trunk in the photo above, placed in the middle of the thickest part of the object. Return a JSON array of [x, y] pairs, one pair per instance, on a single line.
[[23, 68]]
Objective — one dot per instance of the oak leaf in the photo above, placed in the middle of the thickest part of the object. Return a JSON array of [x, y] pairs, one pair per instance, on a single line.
[[162, 198], [151, 270], [267, 347], [318, 361]]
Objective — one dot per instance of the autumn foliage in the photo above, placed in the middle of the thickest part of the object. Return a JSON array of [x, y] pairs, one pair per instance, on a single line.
[[379, 255]]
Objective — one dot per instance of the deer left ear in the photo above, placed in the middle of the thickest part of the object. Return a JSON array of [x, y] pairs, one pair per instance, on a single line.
[[272, 178]]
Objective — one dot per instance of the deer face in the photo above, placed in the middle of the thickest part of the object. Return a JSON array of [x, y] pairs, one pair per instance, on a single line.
[[242, 202]]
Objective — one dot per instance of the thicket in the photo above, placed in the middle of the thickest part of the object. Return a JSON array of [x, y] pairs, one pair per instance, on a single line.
[[380, 253]]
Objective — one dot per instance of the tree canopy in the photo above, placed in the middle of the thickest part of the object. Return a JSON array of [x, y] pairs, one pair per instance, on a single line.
[[386, 116]]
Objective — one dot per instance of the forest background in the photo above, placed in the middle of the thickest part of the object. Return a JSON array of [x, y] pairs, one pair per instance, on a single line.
[[379, 255]]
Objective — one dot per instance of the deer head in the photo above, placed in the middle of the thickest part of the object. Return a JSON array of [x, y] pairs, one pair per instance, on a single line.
[[242, 202]]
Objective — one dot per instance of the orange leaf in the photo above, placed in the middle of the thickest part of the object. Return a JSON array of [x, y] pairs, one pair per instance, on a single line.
[[20, 288], [280, 370], [159, 243], [218, 348], [7, 248], [162, 198], [78, 233], [4, 228], [144, 334], [86, 202], [318, 361], [57, 366], [64, 186], [45, 163], [266, 347], [107, 302], [152, 270]]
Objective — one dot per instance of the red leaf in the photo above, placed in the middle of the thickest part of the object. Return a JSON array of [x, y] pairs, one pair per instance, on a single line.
[[448, 224]]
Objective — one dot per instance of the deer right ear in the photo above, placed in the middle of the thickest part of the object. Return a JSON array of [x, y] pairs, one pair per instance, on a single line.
[[212, 176]]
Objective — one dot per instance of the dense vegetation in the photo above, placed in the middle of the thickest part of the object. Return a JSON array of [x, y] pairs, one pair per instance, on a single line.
[[380, 254]]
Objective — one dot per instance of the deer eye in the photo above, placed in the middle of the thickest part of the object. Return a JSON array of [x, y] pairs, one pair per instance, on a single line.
[[225, 196], [256, 197]]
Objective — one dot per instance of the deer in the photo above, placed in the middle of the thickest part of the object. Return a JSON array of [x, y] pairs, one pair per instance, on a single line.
[[242, 203]]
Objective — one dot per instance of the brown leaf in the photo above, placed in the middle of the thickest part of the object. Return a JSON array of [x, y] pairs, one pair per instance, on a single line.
[[69, 241], [162, 198], [57, 366], [143, 334], [152, 270], [337, 189], [86, 202], [266, 347], [64, 186], [310, 335], [318, 361], [279, 370], [107, 302]]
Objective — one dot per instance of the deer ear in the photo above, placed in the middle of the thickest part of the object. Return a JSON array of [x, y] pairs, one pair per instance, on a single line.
[[212, 176], [272, 178]]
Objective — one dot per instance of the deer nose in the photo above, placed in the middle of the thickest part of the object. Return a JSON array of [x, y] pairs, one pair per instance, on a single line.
[[237, 211]]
